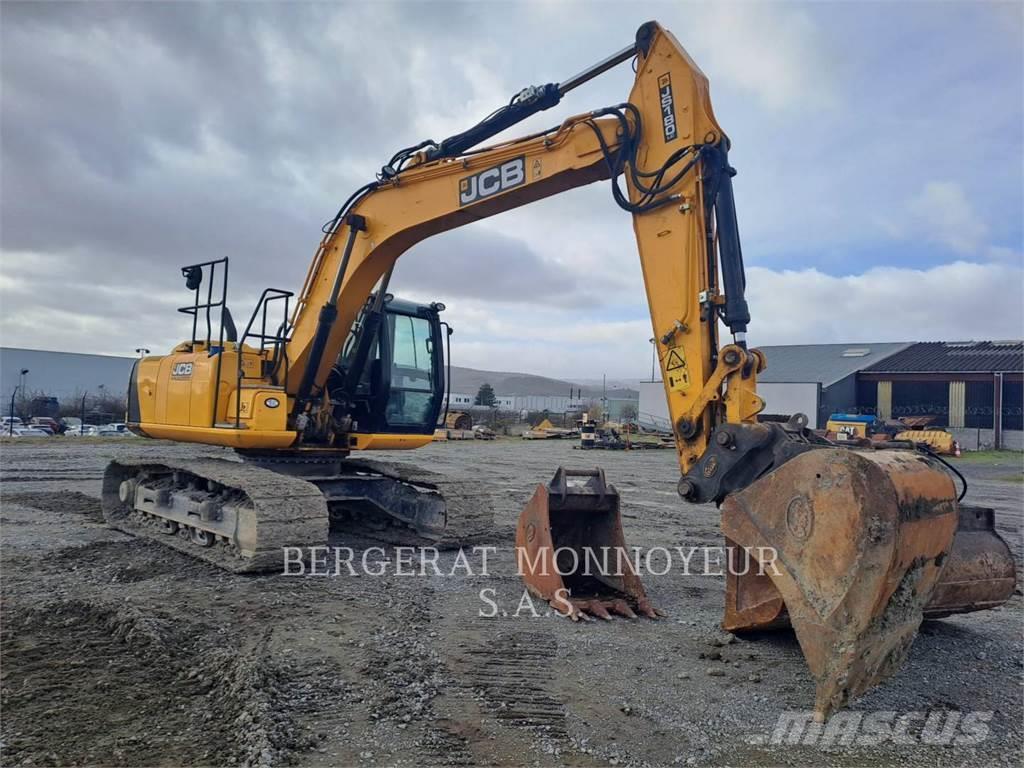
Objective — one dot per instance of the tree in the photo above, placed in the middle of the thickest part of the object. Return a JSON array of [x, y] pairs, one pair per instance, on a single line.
[[628, 412], [485, 396]]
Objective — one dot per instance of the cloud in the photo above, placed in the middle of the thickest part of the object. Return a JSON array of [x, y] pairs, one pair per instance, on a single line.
[[961, 300], [479, 263], [788, 307], [942, 213], [771, 51]]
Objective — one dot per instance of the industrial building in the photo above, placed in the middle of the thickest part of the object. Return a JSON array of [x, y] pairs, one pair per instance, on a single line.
[[973, 388], [64, 375], [619, 403]]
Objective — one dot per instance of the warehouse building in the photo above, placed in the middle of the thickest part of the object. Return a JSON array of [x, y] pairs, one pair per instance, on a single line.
[[619, 403], [974, 388], [64, 375]]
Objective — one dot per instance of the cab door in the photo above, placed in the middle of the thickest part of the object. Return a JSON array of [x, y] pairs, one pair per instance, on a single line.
[[415, 377]]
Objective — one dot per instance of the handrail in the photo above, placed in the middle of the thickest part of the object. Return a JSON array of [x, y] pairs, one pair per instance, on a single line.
[[189, 273], [278, 340]]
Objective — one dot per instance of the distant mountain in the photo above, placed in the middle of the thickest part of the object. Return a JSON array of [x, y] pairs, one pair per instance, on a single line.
[[467, 381]]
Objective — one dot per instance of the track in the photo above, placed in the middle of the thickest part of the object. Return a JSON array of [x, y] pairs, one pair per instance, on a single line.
[[469, 511], [263, 511], [241, 517]]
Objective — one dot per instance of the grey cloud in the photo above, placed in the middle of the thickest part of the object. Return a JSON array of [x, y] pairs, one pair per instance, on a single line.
[[475, 262], [96, 95]]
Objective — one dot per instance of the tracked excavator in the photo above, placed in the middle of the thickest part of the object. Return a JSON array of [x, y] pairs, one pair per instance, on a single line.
[[866, 541]]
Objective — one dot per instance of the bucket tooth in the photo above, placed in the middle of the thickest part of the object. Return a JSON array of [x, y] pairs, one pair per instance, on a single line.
[[853, 543], [571, 551]]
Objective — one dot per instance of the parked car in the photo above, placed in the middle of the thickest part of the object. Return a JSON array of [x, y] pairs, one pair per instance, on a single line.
[[85, 430], [28, 432], [116, 429], [16, 420], [46, 422], [45, 428]]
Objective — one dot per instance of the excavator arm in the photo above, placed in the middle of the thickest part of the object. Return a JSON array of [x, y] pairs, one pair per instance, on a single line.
[[669, 147]]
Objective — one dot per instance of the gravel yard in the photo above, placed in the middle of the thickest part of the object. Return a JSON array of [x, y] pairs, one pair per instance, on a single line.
[[118, 651]]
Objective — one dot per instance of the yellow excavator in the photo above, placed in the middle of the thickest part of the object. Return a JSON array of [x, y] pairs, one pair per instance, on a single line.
[[864, 542]]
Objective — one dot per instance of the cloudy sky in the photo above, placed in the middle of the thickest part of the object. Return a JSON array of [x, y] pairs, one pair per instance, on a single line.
[[879, 150]]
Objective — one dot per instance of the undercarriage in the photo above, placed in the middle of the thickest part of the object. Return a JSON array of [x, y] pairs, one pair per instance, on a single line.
[[241, 515]]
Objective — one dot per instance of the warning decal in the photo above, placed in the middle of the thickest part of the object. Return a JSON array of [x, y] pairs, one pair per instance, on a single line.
[[676, 372]]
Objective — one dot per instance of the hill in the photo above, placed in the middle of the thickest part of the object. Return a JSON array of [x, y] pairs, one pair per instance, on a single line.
[[468, 380]]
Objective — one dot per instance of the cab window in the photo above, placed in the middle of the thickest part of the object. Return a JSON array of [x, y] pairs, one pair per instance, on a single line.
[[411, 399]]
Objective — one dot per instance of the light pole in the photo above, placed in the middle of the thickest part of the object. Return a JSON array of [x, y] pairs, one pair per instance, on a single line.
[[24, 374], [81, 427], [654, 353], [141, 352], [10, 424]]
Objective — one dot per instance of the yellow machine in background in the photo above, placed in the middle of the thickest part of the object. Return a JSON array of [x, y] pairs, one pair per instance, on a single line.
[[845, 427], [863, 537], [939, 440]]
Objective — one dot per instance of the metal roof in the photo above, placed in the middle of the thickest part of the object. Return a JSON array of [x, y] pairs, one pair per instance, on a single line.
[[824, 363], [955, 357]]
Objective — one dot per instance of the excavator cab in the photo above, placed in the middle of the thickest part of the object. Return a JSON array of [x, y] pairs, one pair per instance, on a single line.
[[390, 374]]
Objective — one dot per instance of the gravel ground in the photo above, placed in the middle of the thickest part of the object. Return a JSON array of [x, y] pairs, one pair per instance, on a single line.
[[118, 651]]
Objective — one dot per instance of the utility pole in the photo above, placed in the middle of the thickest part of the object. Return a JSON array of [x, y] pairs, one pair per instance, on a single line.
[[654, 358], [10, 424], [81, 427], [604, 397], [24, 375]]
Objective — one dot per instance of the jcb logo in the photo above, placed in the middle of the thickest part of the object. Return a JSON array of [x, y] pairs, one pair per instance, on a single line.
[[502, 177], [181, 370], [668, 108]]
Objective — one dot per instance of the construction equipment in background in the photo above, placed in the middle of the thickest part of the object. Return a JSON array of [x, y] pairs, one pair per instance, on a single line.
[[483, 432], [937, 439], [545, 430], [458, 420], [616, 436], [458, 425], [353, 368], [867, 428]]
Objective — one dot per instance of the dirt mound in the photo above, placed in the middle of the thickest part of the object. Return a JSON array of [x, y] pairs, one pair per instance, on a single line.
[[85, 683]]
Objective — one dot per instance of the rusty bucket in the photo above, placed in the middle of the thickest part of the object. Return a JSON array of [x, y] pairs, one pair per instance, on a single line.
[[865, 544], [571, 551]]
